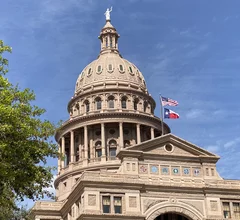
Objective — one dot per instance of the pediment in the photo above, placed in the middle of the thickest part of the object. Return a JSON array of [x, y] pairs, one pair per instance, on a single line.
[[173, 146]]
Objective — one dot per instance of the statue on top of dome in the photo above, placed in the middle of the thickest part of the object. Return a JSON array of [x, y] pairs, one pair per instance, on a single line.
[[107, 14]]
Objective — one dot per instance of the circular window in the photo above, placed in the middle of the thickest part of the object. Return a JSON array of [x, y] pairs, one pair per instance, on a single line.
[[111, 131], [98, 133], [125, 131], [168, 148]]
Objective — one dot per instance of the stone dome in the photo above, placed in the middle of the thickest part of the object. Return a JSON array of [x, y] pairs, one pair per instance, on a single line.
[[110, 68]]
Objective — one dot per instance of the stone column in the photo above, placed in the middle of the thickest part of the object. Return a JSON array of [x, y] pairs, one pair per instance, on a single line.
[[113, 41], [72, 151], [63, 151], [103, 142], [152, 133], [85, 142], [59, 158], [138, 134], [119, 102], [120, 135], [91, 144]]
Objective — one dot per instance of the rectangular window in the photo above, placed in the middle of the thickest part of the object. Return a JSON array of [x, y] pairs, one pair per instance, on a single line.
[[106, 204], [226, 210], [118, 205], [212, 172], [236, 210]]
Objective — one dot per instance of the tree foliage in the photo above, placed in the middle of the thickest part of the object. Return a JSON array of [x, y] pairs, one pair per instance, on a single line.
[[24, 142]]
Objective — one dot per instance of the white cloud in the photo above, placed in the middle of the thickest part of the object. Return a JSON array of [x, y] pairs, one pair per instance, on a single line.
[[51, 189], [213, 148], [231, 143], [194, 113], [197, 50]]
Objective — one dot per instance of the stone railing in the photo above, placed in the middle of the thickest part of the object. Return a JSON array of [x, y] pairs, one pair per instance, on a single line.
[[48, 205], [162, 181]]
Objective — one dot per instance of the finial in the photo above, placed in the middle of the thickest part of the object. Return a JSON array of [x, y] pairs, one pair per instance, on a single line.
[[107, 14]]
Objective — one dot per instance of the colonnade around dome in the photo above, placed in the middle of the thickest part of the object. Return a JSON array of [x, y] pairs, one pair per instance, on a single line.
[[100, 142], [110, 102]]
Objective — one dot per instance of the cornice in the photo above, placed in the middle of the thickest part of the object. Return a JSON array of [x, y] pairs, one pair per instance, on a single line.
[[153, 156]]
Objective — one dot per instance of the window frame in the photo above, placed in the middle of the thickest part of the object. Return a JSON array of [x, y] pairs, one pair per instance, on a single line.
[[98, 103], [124, 99], [112, 205], [112, 99]]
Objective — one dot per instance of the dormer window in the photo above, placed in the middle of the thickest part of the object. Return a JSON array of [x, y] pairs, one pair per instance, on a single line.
[[99, 69], [89, 71], [121, 69], [130, 70], [110, 67], [82, 75]]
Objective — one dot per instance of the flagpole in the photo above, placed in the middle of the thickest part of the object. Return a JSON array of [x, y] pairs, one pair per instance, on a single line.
[[161, 113]]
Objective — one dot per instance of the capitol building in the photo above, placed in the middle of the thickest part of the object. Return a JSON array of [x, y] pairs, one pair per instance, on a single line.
[[121, 162]]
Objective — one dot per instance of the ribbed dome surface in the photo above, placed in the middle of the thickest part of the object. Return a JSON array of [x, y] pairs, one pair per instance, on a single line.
[[110, 67]]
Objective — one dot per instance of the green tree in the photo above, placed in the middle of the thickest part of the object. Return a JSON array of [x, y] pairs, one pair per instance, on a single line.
[[25, 143]]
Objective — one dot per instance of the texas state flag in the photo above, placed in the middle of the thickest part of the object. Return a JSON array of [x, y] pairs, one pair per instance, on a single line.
[[168, 113]]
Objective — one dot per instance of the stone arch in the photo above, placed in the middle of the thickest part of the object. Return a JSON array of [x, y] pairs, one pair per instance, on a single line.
[[174, 206]]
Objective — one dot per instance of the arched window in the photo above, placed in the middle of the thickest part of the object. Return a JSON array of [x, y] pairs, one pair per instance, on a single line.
[[145, 106], [106, 40], [111, 41], [87, 106], [98, 102], [126, 143], [112, 149], [98, 147], [124, 102], [111, 102], [112, 143], [135, 104]]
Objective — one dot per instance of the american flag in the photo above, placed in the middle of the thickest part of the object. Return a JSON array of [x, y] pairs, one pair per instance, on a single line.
[[168, 101]]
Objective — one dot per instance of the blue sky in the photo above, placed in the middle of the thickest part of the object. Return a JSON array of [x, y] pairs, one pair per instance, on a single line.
[[187, 50]]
